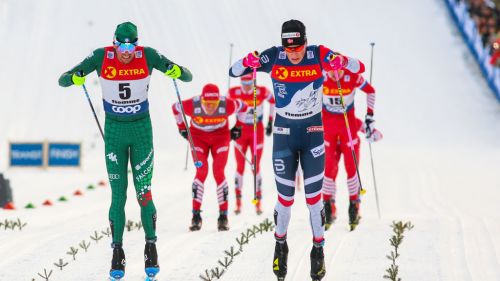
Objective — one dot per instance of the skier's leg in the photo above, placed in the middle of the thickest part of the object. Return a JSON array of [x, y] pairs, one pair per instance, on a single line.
[[353, 183], [220, 152], [260, 148], [312, 160], [116, 153], [242, 145], [142, 158], [202, 150], [332, 157], [285, 161]]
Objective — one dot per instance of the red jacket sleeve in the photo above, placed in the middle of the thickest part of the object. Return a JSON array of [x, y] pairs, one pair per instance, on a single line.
[[235, 106], [366, 87], [351, 64], [188, 110]]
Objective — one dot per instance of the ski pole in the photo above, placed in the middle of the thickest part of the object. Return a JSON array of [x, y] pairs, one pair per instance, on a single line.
[[244, 156], [255, 199], [197, 163], [351, 144], [187, 156], [93, 111], [230, 61], [370, 144]]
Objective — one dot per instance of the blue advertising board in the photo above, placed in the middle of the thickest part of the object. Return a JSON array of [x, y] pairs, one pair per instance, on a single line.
[[26, 154], [63, 154]]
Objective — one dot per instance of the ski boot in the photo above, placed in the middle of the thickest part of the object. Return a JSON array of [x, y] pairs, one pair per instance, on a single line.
[[117, 270], [354, 216], [280, 260], [330, 213], [238, 205], [258, 208], [317, 263], [222, 221], [196, 221], [151, 266]]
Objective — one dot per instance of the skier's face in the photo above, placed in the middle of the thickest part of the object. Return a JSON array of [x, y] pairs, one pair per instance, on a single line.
[[295, 54], [209, 106], [125, 51], [246, 85]]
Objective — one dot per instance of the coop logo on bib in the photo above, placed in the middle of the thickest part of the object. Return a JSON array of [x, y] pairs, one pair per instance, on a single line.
[[126, 109], [109, 72]]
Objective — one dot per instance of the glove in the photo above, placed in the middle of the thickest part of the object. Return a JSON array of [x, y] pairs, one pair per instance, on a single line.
[[78, 78], [235, 133], [369, 125], [337, 62], [173, 71], [252, 60], [184, 133], [269, 127]]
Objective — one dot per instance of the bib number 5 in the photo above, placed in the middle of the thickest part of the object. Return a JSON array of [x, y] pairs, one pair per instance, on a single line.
[[124, 91]]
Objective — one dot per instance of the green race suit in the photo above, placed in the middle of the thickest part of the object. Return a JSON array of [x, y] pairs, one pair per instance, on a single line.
[[127, 132]]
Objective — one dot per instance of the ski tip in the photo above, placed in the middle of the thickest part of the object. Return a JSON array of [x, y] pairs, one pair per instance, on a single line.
[[198, 164]]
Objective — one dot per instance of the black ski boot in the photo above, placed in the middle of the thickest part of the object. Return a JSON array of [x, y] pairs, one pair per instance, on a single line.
[[330, 213], [354, 216], [117, 270], [317, 263], [151, 260], [196, 221], [280, 260], [222, 222]]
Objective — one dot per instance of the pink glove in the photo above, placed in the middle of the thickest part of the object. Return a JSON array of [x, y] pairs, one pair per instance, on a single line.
[[337, 62], [252, 60]]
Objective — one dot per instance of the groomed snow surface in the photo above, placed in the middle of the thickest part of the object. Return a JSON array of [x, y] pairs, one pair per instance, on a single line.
[[438, 165]]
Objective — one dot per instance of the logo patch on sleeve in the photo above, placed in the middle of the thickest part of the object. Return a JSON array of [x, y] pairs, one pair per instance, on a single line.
[[138, 54], [110, 55]]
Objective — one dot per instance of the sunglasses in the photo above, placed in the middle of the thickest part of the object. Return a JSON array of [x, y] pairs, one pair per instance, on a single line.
[[125, 47], [210, 102], [294, 49], [246, 82]]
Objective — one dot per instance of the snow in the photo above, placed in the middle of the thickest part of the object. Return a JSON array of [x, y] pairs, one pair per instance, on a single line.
[[436, 167]]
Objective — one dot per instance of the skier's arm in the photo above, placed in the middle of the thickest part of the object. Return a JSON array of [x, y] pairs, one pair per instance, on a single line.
[[366, 87], [236, 106], [89, 64], [188, 110], [351, 64], [161, 63], [266, 59]]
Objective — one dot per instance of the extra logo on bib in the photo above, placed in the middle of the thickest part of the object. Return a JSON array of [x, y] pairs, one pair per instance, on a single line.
[[125, 86]]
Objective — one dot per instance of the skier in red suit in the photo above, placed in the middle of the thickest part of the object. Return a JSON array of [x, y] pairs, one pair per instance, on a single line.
[[337, 139], [245, 93], [209, 127]]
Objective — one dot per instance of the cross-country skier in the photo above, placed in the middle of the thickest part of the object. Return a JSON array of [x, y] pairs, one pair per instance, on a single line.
[[125, 70], [296, 71], [209, 127], [245, 94], [337, 139]]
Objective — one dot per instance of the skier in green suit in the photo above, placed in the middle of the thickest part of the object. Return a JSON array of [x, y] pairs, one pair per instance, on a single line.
[[125, 70]]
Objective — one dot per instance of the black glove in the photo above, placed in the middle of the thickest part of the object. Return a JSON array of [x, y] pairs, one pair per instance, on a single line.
[[184, 133], [369, 125], [269, 127], [235, 133]]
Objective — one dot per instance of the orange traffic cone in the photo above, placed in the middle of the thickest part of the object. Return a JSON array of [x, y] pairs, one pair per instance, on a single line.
[[78, 193], [102, 183], [9, 206]]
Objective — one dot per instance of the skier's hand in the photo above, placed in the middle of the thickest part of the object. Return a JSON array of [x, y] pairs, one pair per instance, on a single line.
[[252, 60], [337, 61], [269, 127], [78, 78], [173, 71], [184, 133], [235, 132], [369, 125]]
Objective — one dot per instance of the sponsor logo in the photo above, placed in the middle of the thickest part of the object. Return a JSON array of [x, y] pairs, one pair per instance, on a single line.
[[222, 110], [197, 110], [109, 55], [112, 157], [138, 54], [211, 95], [287, 35], [135, 71], [281, 131], [279, 166], [208, 120], [335, 91], [139, 166], [310, 55], [114, 177], [124, 102], [298, 114], [144, 173], [315, 129], [126, 109], [282, 56], [264, 59], [281, 89], [347, 78], [318, 151], [283, 73], [109, 72]]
